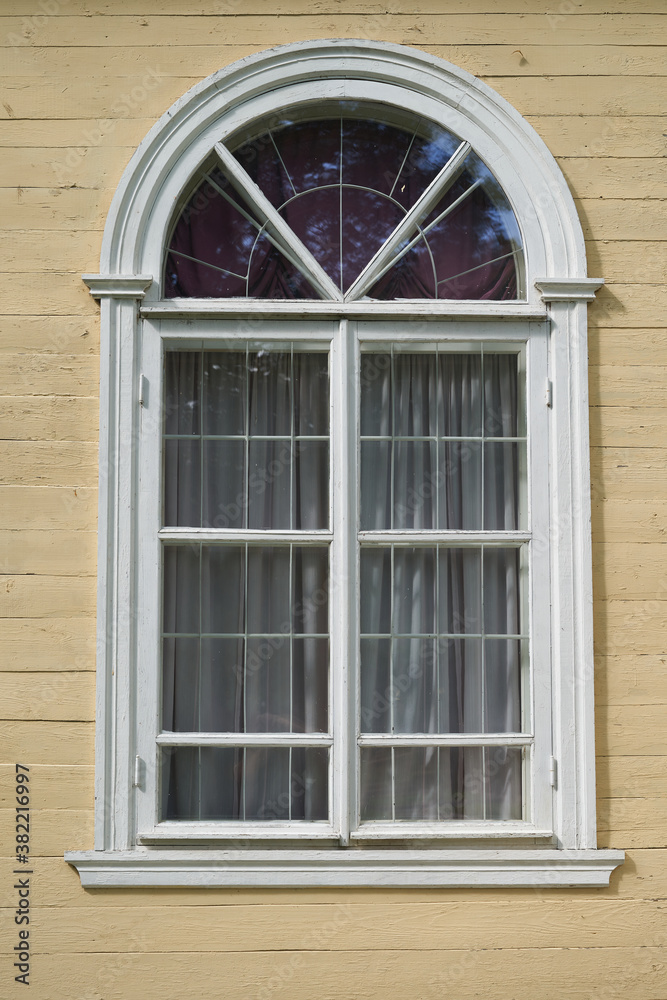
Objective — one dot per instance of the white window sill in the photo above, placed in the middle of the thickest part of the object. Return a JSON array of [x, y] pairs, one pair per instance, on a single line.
[[389, 868]]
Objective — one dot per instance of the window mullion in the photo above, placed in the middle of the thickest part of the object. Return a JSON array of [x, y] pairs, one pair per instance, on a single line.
[[343, 574]]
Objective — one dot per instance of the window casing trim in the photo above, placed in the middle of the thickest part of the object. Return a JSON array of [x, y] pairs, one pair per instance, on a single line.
[[557, 290]]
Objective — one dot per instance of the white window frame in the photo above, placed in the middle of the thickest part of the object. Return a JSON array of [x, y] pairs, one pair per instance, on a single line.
[[131, 847]]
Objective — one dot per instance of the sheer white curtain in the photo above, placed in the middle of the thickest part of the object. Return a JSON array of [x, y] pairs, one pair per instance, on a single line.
[[436, 656], [245, 646]]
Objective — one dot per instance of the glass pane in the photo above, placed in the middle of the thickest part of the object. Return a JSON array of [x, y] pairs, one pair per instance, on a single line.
[[309, 784], [181, 588], [311, 394], [415, 395], [376, 482], [269, 493], [376, 689], [182, 482], [460, 377], [501, 486], [183, 379], [224, 391], [256, 464], [414, 591], [180, 690], [179, 784], [415, 490], [310, 685], [223, 484], [221, 769], [461, 688], [267, 685], [252, 783], [253, 654], [433, 656], [270, 393], [311, 485], [416, 783], [267, 783], [218, 249], [375, 383], [462, 783], [503, 767], [441, 783], [425, 462], [376, 590], [502, 686], [310, 596], [223, 584], [414, 686], [221, 685], [501, 591], [343, 183], [460, 473], [376, 783], [460, 590]]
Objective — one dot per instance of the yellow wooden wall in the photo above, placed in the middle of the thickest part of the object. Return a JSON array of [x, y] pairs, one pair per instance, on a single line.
[[82, 82]]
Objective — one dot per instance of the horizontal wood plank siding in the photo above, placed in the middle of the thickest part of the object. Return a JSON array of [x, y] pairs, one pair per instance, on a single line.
[[82, 84]]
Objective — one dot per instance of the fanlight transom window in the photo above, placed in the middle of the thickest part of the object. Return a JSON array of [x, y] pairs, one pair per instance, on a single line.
[[347, 203]]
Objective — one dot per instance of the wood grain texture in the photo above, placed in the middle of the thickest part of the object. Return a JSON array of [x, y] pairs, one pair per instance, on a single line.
[[45, 553], [566, 135], [35, 334], [630, 777], [48, 507], [630, 571], [349, 7], [24, 61], [618, 520], [35, 743], [51, 696], [51, 787], [403, 927], [426, 30], [54, 831], [46, 597], [49, 418], [40, 644], [629, 348], [626, 426], [293, 975], [631, 680], [42, 463]]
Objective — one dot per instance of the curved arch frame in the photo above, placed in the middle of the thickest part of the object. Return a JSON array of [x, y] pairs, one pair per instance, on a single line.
[[558, 291], [309, 72]]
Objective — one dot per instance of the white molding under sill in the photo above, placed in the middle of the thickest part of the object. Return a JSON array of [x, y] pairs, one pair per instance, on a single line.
[[426, 309], [344, 868]]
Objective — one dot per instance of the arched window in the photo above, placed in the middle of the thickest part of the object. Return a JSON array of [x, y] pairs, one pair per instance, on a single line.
[[345, 585]]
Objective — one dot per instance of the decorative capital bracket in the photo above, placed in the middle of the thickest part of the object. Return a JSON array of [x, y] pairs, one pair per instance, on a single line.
[[568, 289], [118, 286]]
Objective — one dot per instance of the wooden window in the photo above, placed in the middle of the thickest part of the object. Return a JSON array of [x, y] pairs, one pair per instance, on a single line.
[[345, 573]]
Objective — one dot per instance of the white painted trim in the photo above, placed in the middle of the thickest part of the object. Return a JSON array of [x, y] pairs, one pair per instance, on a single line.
[[386, 868], [441, 310], [132, 253], [569, 290], [118, 286]]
